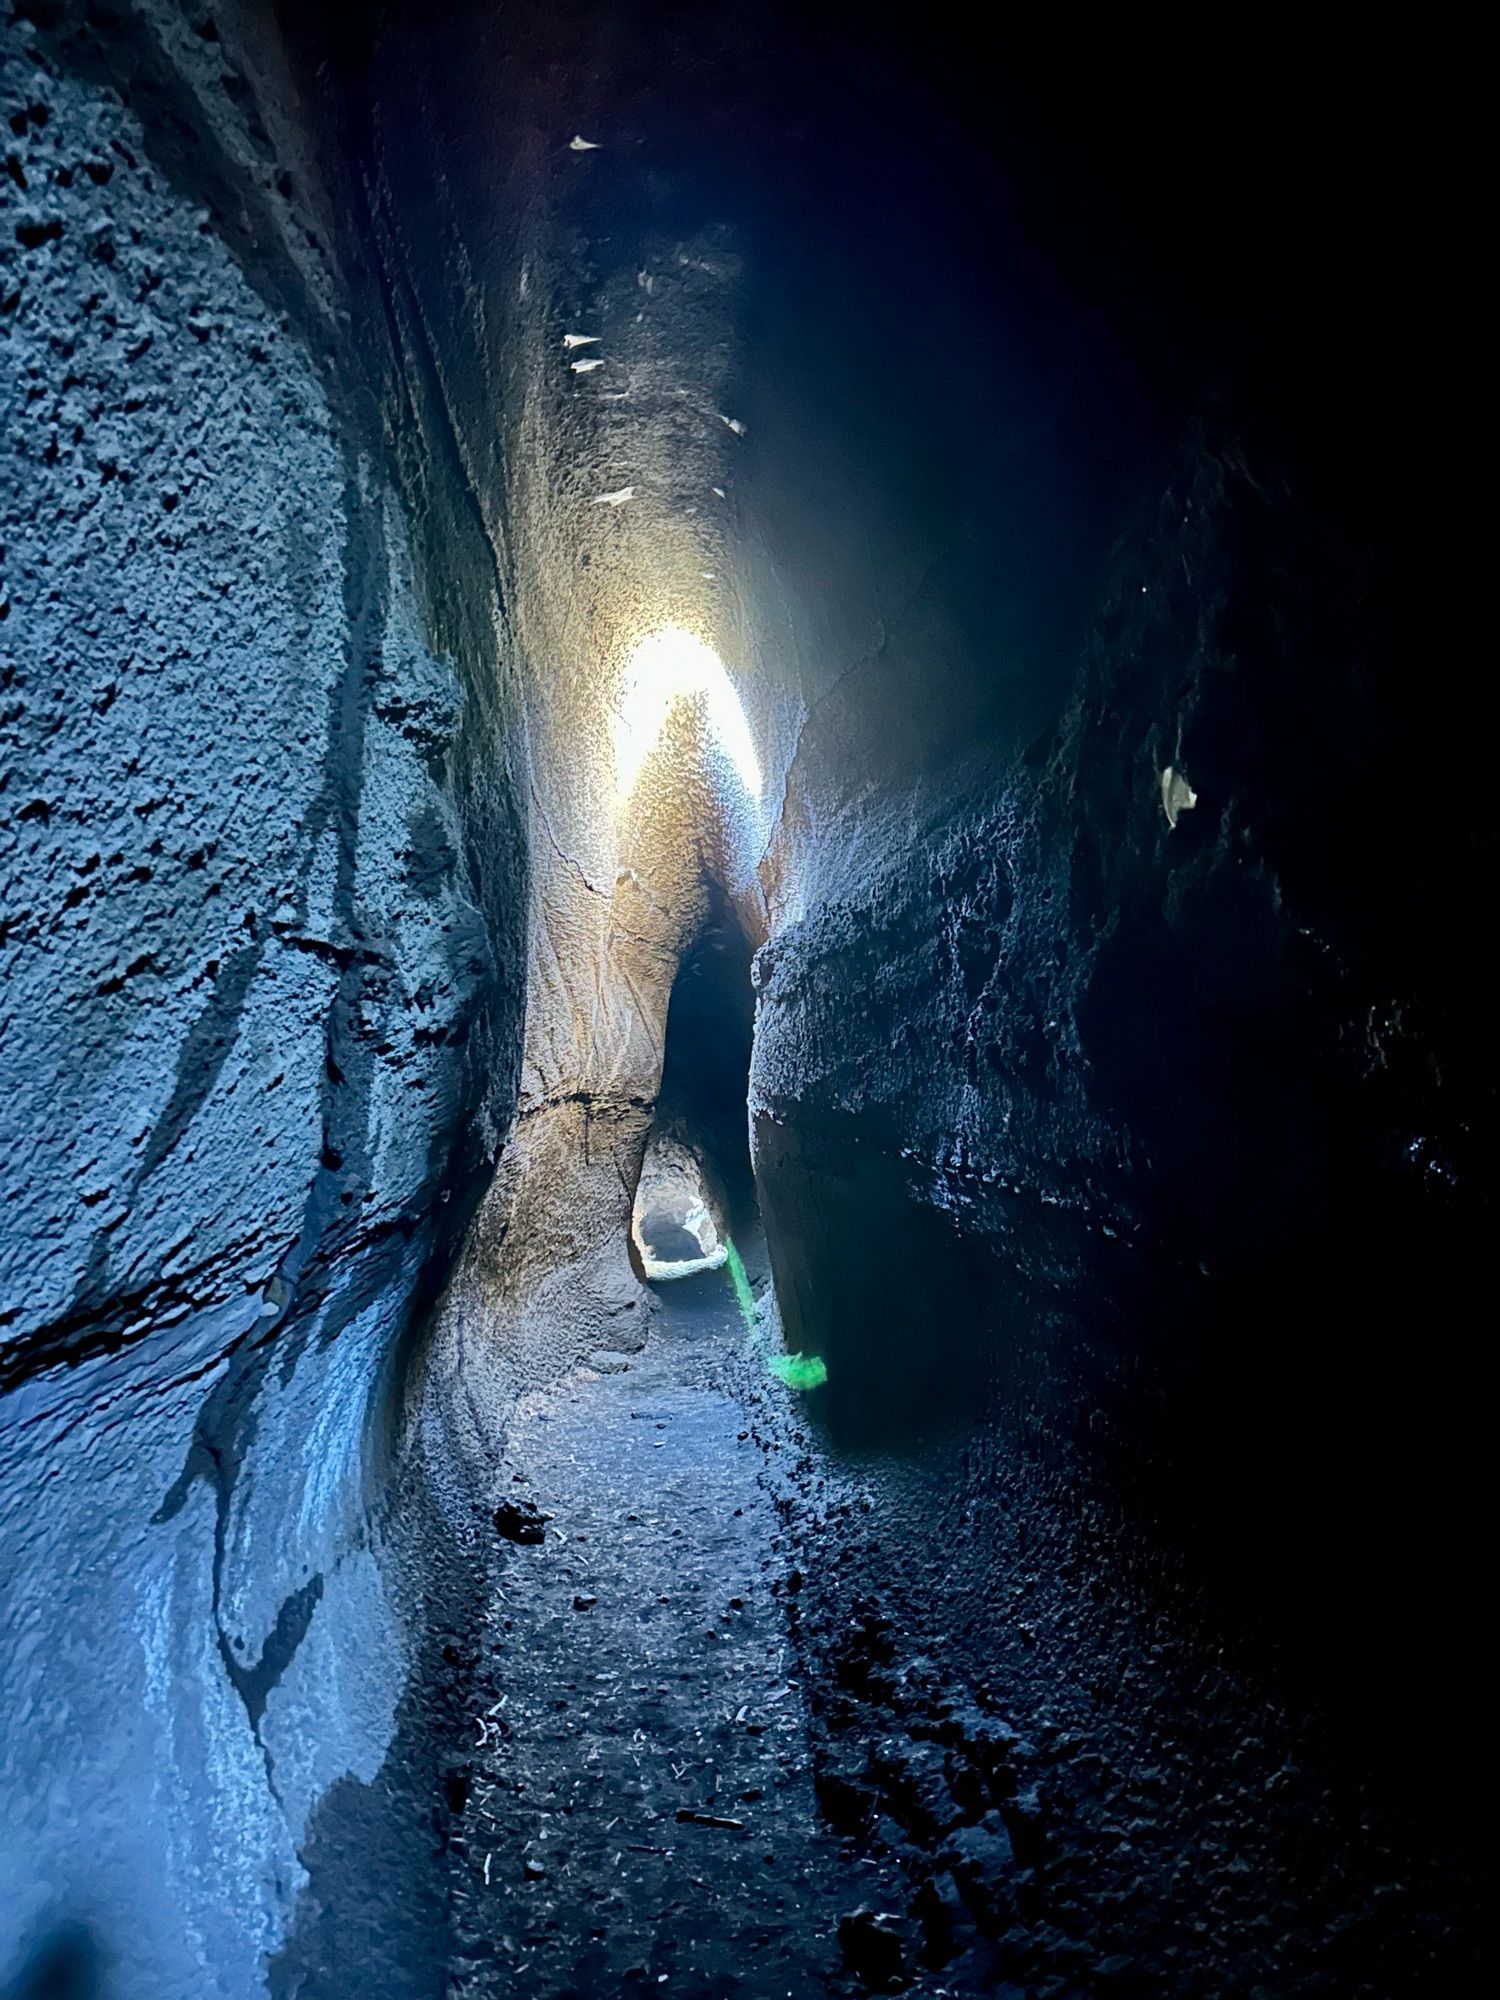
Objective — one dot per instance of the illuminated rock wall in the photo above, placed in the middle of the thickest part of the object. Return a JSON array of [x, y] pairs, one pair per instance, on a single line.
[[261, 902], [606, 477]]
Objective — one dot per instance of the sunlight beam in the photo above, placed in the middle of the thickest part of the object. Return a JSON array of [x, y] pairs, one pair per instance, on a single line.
[[667, 666]]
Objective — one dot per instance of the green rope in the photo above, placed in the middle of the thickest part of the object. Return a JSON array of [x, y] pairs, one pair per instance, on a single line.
[[798, 1371]]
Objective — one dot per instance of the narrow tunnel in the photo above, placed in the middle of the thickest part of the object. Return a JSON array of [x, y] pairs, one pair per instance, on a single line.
[[697, 1185], [746, 1087]]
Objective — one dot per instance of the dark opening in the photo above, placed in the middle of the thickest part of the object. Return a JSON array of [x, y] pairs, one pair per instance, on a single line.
[[705, 1083], [666, 1238]]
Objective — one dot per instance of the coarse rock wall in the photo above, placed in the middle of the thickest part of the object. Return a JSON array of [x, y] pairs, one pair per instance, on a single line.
[[260, 1019], [1152, 1135], [1113, 1156], [320, 905], [1113, 1166]]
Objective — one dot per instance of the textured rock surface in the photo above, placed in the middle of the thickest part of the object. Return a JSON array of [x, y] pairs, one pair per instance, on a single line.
[[246, 946], [1121, 1092], [638, 1811], [1151, 1094], [1124, 1157], [284, 820], [598, 495]]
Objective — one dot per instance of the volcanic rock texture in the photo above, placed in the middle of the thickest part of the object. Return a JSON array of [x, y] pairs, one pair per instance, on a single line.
[[1059, 495], [259, 903]]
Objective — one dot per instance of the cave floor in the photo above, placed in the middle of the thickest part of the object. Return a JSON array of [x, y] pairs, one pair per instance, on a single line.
[[1110, 1808], [643, 1670]]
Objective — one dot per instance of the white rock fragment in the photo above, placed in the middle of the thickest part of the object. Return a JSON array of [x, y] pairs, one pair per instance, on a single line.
[[1177, 795], [734, 424], [717, 492], [578, 144], [571, 340], [587, 366], [615, 499]]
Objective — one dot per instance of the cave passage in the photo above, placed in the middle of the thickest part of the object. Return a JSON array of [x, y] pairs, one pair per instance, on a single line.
[[643, 1802], [747, 1112], [697, 1185]]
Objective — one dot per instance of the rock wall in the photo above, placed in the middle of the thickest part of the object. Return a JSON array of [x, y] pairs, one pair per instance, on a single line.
[[1113, 1167], [1168, 1124], [583, 307], [1112, 1163], [260, 900]]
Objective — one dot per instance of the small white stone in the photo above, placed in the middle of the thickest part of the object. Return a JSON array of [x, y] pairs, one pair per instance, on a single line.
[[1177, 795]]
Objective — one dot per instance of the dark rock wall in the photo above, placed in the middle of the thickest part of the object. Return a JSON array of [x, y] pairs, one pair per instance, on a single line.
[[1120, 1169], [1174, 1127], [259, 915]]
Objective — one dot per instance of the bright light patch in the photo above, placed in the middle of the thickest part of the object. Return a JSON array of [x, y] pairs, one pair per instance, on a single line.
[[667, 666], [697, 1225]]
